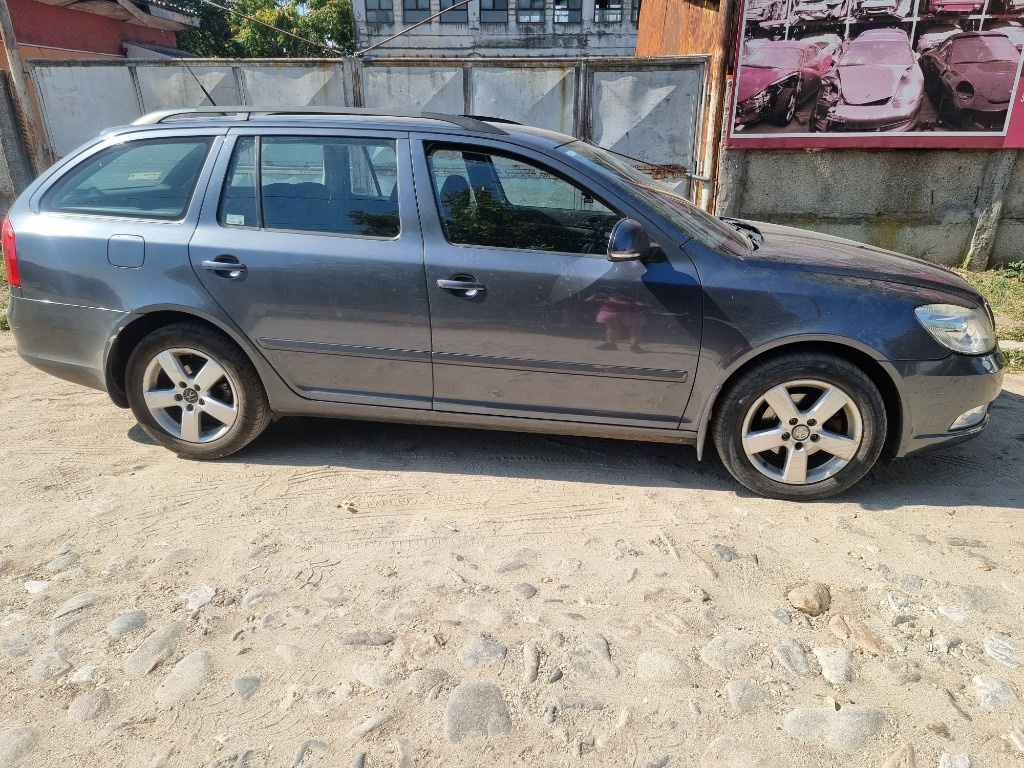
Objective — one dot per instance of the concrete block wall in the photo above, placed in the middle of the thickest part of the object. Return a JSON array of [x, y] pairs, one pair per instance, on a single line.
[[925, 203], [1009, 244]]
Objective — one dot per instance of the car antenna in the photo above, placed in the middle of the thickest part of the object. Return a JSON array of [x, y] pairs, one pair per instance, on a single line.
[[199, 82]]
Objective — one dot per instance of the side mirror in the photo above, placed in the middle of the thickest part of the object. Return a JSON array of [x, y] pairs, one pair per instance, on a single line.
[[628, 241]]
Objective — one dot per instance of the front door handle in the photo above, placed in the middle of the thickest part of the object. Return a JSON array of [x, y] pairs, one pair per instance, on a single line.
[[469, 287]]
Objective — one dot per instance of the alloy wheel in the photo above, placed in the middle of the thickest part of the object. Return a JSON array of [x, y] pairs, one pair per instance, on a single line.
[[802, 431], [190, 395]]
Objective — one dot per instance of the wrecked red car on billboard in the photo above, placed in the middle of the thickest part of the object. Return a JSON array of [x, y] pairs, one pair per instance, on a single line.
[[880, 73]]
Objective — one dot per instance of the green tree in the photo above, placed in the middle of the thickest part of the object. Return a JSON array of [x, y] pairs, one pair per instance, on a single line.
[[214, 38], [327, 22]]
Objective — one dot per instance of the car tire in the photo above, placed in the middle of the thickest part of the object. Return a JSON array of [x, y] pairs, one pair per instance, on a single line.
[[806, 450], [167, 380], [784, 107]]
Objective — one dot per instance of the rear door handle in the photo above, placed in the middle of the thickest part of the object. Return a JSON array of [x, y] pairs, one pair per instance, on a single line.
[[470, 287], [229, 264]]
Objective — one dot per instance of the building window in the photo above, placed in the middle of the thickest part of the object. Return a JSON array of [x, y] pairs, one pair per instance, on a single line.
[[568, 11], [379, 12], [634, 13], [415, 10], [531, 12], [607, 11], [494, 11], [458, 16]]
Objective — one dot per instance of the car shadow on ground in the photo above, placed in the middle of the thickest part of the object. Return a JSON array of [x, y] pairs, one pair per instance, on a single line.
[[986, 471]]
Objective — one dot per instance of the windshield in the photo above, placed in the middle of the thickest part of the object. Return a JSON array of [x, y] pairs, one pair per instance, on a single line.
[[702, 226], [973, 50], [771, 56], [877, 52]]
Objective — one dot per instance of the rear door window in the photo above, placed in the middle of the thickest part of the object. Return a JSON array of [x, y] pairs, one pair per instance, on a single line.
[[148, 179], [331, 185]]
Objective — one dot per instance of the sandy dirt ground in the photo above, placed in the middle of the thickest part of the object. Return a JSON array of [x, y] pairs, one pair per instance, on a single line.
[[356, 594]]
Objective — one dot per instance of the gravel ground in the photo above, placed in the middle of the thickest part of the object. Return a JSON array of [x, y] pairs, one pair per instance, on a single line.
[[348, 594]]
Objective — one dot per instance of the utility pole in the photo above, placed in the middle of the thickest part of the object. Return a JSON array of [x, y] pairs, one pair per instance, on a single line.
[[32, 134]]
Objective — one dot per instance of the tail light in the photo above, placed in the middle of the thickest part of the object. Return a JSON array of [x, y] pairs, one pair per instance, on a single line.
[[10, 254]]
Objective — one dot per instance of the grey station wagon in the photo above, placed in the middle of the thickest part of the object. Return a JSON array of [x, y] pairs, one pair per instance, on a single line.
[[213, 269]]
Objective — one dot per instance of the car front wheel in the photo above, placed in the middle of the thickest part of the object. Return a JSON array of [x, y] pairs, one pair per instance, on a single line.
[[785, 106], [800, 426], [195, 392]]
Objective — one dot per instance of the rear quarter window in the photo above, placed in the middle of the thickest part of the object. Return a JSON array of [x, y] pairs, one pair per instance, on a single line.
[[151, 179]]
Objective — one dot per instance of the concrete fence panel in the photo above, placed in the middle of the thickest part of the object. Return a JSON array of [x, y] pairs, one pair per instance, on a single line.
[[648, 109], [652, 113], [544, 96], [163, 87], [79, 102], [303, 85], [412, 88]]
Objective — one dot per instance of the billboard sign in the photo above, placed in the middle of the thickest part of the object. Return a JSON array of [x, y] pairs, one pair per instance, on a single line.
[[879, 73]]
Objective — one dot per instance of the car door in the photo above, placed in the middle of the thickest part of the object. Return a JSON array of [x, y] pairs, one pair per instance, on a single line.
[[312, 245], [528, 316]]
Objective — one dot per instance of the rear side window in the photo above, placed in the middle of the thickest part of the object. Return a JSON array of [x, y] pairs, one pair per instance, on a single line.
[[333, 185], [149, 179]]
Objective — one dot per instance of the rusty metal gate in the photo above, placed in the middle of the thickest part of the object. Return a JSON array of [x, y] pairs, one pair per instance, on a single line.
[[649, 109]]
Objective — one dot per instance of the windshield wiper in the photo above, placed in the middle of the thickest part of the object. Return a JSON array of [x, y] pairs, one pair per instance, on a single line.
[[752, 233]]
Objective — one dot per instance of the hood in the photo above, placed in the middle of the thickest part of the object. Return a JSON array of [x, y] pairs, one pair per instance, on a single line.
[[867, 83], [991, 79], [814, 252], [756, 79]]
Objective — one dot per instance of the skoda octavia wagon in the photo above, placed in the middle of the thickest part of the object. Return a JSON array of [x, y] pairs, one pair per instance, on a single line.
[[214, 269]]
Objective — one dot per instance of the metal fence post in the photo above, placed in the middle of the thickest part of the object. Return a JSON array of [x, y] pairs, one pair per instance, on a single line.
[[28, 117]]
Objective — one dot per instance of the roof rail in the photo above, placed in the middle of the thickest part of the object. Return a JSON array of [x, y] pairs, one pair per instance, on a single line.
[[245, 113], [504, 120]]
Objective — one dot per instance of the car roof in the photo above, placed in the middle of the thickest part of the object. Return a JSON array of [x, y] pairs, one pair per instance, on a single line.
[[453, 126], [246, 113], [964, 35], [785, 43], [882, 34]]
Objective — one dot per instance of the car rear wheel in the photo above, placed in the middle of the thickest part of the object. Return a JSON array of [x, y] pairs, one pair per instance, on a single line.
[[785, 106], [195, 392], [800, 427]]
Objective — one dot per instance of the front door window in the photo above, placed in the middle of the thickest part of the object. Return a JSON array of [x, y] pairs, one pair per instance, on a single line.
[[506, 202]]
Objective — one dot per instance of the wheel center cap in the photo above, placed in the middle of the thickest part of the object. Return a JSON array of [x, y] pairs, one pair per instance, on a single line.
[[799, 433], [191, 397]]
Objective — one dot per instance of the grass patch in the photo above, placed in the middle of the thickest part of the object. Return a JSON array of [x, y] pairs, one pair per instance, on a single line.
[[1014, 360], [1004, 289]]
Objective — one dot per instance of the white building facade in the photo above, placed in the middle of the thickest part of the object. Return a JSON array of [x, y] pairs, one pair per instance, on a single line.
[[498, 27]]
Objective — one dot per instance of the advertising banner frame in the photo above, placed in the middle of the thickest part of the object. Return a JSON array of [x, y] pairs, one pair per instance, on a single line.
[[763, 133]]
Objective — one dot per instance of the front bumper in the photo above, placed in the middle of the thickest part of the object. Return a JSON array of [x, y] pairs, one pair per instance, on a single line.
[[989, 117], [936, 392], [753, 110], [845, 117]]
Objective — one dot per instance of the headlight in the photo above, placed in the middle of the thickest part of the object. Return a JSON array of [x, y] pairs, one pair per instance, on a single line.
[[757, 101], [961, 329], [908, 93]]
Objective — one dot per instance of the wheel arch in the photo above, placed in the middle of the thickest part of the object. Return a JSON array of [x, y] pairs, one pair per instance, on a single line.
[[880, 377], [147, 321]]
